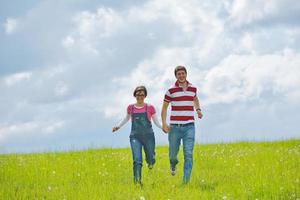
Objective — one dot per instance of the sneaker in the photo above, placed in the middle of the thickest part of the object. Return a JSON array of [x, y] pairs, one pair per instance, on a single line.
[[138, 182], [173, 170], [150, 166]]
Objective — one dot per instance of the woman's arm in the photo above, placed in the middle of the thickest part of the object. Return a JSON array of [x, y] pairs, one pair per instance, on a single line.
[[156, 122], [121, 123]]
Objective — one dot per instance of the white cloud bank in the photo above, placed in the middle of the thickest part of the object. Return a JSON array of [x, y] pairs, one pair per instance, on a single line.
[[16, 78], [229, 58], [245, 77], [28, 129]]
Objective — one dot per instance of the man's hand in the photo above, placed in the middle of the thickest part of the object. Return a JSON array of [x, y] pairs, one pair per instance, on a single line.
[[199, 113], [164, 108], [165, 127], [114, 129]]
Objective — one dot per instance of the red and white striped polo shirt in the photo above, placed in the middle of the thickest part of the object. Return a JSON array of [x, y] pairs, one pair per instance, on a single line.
[[182, 103]]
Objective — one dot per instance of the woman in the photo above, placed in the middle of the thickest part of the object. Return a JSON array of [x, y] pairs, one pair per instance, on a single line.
[[142, 134]]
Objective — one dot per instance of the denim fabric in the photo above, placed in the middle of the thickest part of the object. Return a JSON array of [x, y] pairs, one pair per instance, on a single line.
[[141, 136], [187, 135]]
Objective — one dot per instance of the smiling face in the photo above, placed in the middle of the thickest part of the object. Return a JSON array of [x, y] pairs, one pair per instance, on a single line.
[[181, 76]]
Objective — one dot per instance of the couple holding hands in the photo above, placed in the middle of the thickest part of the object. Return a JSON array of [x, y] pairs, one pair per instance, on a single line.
[[183, 98]]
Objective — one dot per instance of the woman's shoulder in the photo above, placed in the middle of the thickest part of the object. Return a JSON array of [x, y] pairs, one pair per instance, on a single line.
[[150, 106], [129, 107]]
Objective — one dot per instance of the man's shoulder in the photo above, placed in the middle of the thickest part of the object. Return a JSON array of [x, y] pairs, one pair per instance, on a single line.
[[192, 87], [172, 86]]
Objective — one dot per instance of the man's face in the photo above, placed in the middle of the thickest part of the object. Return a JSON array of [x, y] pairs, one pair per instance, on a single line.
[[181, 76]]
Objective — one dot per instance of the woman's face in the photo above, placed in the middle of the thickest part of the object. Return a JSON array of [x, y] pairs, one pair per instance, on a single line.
[[140, 96]]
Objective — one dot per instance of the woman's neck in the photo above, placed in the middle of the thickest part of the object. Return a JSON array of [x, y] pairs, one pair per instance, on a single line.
[[140, 104]]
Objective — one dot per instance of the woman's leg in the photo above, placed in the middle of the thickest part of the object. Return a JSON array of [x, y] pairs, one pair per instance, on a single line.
[[149, 148], [136, 148]]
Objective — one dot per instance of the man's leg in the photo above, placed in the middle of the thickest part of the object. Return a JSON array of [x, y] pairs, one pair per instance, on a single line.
[[174, 144], [136, 148], [188, 141]]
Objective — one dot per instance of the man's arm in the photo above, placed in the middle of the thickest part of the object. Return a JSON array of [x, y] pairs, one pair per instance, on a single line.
[[164, 117], [197, 107]]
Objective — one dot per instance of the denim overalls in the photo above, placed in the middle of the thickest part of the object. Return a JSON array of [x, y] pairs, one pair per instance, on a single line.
[[141, 135]]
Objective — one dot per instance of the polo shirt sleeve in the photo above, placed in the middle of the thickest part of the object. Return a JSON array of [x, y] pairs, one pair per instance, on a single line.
[[168, 97]]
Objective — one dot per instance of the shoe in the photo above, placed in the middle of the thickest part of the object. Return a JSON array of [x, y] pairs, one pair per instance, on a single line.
[[185, 181], [138, 182], [150, 166], [173, 170]]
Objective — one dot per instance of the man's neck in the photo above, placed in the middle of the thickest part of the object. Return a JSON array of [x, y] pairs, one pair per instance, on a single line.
[[183, 84]]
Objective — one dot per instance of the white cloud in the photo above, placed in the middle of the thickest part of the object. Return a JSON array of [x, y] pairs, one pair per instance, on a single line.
[[53, 71], [16, 78], [11, 25], [197, 21], [190, 16], [249, 11], [68, 42], [93, 26], [90, 28], [155, 73], [246, 77], [17, 128], [247, 43], [61, 89], [238, 78], [27, 129], [51, 128], [107, 52]]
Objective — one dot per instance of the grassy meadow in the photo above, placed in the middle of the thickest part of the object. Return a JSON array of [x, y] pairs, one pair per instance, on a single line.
[[245, 170]]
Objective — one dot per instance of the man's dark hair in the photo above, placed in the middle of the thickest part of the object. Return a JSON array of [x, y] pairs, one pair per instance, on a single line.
[[178, 68], [139, 89]]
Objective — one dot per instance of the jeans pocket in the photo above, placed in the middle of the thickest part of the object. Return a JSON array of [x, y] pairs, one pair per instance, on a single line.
[[171, 126]]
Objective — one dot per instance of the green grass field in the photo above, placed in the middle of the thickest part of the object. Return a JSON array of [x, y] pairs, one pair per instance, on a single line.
[[268, 170]]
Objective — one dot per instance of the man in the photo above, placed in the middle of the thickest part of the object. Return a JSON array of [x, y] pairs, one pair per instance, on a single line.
[[183, 98]]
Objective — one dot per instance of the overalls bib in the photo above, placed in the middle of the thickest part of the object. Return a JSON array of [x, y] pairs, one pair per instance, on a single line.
[[141, 127]]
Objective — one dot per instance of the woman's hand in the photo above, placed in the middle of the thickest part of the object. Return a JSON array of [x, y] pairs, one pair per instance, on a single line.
[[114, 129]]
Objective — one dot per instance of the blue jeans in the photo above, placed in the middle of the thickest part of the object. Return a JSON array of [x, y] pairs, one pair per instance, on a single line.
[[137, 143], [187, 135]]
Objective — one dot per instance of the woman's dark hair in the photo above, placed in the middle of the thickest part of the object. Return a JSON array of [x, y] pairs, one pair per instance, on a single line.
[[178, 68], [139, 89]]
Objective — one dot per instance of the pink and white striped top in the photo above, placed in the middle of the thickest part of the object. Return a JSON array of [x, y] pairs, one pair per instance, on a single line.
[[182, 103]]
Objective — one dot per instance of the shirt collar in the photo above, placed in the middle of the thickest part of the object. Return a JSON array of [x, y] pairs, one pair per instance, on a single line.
[[177, 83]]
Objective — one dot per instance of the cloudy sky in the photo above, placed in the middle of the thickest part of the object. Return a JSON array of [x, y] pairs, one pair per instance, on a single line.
[[68, 68]]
